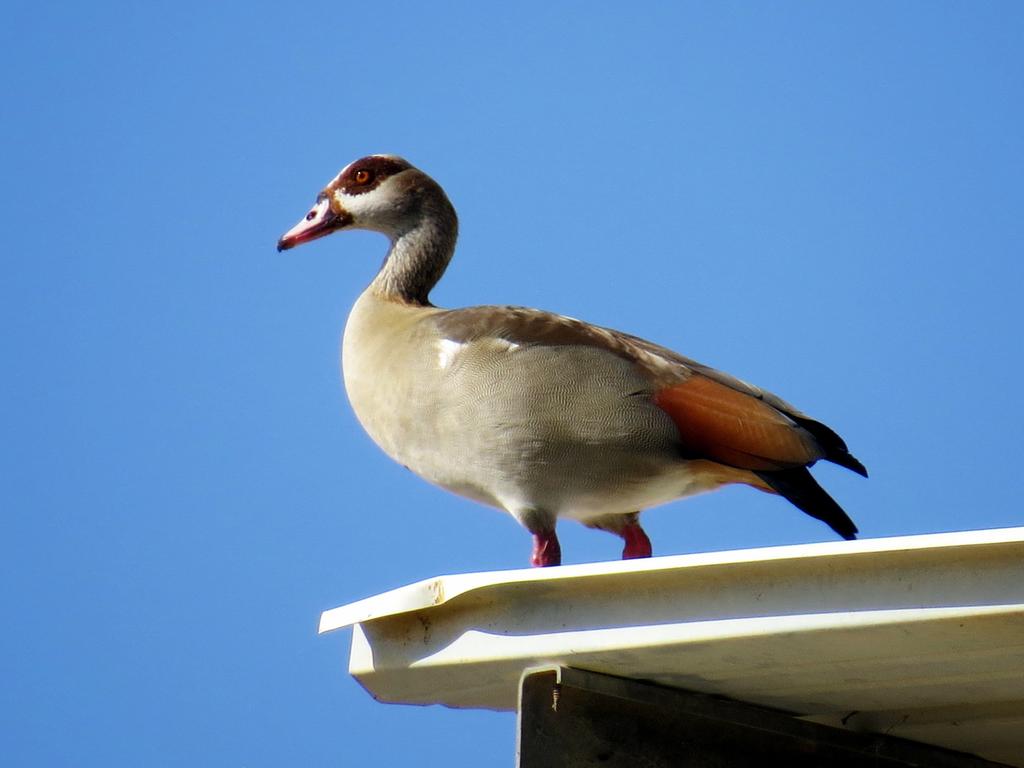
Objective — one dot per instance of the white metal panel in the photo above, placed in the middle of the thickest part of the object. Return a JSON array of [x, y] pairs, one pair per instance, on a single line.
[[919, 635]]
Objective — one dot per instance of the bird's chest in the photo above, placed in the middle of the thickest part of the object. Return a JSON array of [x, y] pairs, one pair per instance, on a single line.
[[451, 412], [390, 383]]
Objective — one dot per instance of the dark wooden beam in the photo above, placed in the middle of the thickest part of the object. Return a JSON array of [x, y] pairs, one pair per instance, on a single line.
[[570, 718]]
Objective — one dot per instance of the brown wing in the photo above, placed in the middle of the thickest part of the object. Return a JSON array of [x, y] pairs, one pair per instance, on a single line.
[[734, 428]]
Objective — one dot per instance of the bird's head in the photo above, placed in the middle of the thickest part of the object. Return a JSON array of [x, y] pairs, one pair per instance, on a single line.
[[383, 193]]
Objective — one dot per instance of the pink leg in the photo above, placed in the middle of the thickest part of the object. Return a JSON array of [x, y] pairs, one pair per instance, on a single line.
[[637, 543], [547, 550]]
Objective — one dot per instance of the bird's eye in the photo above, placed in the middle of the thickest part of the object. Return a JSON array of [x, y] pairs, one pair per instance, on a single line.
[[362, 176]]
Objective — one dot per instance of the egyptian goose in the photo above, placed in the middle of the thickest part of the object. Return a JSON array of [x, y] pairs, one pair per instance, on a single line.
[[538, 414]]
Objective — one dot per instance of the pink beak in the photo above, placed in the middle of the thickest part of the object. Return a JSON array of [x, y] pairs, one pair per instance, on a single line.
[[319, 222]]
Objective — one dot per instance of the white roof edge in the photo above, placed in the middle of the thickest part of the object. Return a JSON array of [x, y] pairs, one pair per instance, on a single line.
[[441, 589]]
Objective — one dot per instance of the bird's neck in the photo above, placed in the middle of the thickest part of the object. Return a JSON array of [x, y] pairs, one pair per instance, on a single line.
[[418, 257]]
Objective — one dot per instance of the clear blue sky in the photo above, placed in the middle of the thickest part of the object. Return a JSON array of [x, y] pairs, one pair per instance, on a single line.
[[824, 199]]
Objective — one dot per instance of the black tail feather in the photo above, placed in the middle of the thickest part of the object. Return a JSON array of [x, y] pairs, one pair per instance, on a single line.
[[849, 461], [800, 488], [835, 449]]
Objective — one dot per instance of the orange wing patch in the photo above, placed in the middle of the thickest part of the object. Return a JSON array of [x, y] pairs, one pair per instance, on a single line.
[[717, 422]]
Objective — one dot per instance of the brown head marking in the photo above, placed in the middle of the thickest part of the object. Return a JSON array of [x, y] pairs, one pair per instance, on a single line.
[[365, 175]]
